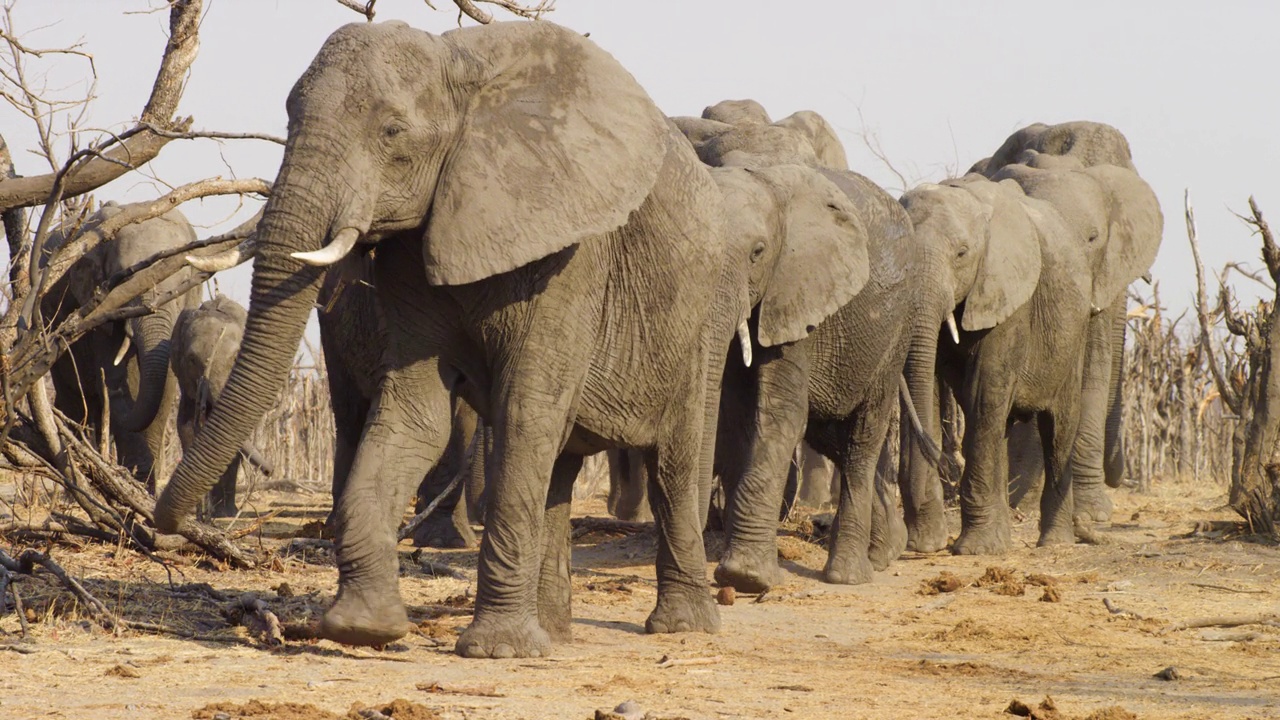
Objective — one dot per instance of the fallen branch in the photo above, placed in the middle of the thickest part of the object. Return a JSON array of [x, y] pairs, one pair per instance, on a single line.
[[1229, 589], [1114, 610], [587, 525], [436, 687], [251, 605], [669, 662], [1268, 619], [421, 517]]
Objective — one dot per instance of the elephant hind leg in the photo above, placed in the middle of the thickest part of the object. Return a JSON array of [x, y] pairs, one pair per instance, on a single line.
[[888, 530], [684, 598], [554, 582]]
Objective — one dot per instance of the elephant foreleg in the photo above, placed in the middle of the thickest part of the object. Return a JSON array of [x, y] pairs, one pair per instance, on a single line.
[[628, 486], [406, 433], [750, 560], [984, 486]]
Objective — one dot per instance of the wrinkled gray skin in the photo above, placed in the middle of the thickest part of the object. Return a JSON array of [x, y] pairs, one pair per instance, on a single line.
[[544, 249], [140, 389], [834, 389], [353, 338], [817, 480], [1098, 457], [1034, 253], [202, 351]]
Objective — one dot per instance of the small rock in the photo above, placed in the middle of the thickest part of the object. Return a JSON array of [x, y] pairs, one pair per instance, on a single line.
[[1170, 673], [628, 710], [221, 716], [725, 595]]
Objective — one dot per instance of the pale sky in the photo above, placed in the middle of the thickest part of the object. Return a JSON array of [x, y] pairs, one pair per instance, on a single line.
[[941, 83]]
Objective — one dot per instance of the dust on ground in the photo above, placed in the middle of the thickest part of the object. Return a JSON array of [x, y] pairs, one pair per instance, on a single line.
[[935, 636]]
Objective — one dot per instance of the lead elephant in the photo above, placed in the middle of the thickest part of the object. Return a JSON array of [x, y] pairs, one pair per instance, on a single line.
[[1035, 254], [124, 363], [202, 350], [835, 388], [1098, 457], [546, 248]]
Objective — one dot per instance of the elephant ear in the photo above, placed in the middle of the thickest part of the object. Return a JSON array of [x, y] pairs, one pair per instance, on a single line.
[[822, 262], [558, 143], [1010, 267], [1135, 228]]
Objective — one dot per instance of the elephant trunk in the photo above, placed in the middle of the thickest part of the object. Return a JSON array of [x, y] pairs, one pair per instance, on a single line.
[[918, 477], [151, 334], [1113, 461], [298, 217]]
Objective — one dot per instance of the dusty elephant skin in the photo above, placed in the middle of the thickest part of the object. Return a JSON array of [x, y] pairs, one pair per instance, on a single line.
[[1098, 456], [202, 351], [835, 386], [132, 356], [543, 248], [1037, 252], [353, 338]]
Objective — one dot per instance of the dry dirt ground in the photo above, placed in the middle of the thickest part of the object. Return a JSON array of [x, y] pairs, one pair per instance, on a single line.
[[890, 649]]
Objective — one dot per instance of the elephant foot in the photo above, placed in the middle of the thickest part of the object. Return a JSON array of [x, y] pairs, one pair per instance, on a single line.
[[442, 531], [847, 570], [927, 536], [356, 619], [888, 545], [503, 638], [684, 610], [1057, 534], [747, 571], [988, 538], [1092, 502]]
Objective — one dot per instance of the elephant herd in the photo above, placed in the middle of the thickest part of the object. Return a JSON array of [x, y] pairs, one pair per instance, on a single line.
[[513, 252]]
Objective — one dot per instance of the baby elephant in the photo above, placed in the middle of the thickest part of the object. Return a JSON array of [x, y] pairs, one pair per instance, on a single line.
[[204, 346]]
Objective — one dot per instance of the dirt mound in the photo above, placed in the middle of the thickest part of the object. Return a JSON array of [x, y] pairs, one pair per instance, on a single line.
[[944, 582], [399, 709], [1002, 581]]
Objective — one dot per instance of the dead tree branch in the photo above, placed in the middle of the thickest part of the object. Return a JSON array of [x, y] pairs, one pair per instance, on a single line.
[[469, 8], [1202, 313]]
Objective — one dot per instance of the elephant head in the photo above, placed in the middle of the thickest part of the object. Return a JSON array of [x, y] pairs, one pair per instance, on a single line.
[[1111, 207], [1092, 143], [989, 238], [738, 133], [822, 137], [495, 145], [737, 112], [146, 337], [806, 245]]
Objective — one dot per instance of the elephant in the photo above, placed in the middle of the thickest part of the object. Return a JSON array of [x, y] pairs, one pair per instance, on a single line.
[[353, 337], [1098, 457], [1036, 251], [543, 243], [202, 350], [123, 364], [834, 389]]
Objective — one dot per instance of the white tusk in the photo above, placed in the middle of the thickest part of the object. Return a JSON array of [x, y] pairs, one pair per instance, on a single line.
[[744, 339], [224, 260], [331, 253], [951, 325], [1094, 309], [124, 348]]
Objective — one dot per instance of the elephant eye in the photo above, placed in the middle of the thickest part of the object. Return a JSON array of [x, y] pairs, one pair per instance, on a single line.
[[1093, 236], [392, 129], [964, 250], [757, 252]]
